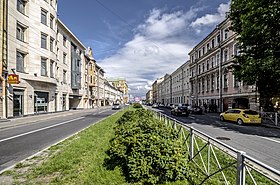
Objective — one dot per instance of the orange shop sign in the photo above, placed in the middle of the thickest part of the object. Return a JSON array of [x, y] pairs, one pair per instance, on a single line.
[[13, 79]]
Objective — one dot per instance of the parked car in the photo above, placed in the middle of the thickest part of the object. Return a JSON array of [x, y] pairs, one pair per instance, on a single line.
[[180, 110], [241, 116], [116, 106], [155, 105], [195, 110]]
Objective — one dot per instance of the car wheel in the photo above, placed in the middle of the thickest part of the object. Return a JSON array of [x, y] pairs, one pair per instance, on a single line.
[[239, 121], [222, 118]]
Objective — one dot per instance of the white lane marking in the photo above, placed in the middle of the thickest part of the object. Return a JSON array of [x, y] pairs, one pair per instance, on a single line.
[[38, 153], [270, 139], [37, 130]]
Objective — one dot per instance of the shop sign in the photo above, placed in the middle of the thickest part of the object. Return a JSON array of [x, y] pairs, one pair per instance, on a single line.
[[13, 79]]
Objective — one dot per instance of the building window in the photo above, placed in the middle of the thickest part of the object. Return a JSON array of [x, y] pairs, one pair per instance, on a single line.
[[199, 69], [203, 50], [20, 32], [218, 82], [52, 69], [44, 41], [51, 44], [236, 49], [225, 81], [208, 84], [212, 82], [20, 61], [64, 58], [218, 39], [203, 86], [207, 65], [44, 16], [203, 67], [64, 76], [21, 6], [199, 53], [213, 43], [225, 34], [208, 47], [225, 55], [212, 62], [51, 22], [43, 67], [217, 59], [236, 82], [64, 41]]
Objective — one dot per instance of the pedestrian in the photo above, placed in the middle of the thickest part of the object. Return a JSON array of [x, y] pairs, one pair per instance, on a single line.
[[205, 107]]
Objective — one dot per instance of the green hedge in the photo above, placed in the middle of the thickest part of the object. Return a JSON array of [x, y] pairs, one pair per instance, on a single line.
[[137, 105], [147, 150]]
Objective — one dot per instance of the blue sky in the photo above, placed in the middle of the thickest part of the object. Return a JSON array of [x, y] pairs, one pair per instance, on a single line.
[[141, 40]]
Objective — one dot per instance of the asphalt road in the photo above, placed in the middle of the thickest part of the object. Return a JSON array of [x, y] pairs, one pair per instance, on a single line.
[[259, 142], [18, 143]]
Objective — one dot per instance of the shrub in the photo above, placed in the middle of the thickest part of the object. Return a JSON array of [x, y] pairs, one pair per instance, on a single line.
[[147, 150], [137, 105]]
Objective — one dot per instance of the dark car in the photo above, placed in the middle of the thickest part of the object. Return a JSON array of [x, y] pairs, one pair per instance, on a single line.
[[196, 110], [180, 110], [116, 106]]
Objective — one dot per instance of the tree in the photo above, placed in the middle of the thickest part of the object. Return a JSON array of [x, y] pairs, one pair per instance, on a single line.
[[257, 23]]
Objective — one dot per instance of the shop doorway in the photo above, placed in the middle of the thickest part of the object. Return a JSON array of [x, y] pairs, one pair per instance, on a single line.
[[18, 103], [41, 101]]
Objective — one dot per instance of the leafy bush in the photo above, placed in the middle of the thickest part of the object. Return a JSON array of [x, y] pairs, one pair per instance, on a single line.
[[147, 150], [137, 105]]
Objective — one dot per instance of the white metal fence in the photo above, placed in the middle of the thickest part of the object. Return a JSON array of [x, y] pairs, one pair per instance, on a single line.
[[214, 158]]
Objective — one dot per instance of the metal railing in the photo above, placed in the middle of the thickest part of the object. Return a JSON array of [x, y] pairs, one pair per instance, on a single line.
[[212, 158], [270, 118]]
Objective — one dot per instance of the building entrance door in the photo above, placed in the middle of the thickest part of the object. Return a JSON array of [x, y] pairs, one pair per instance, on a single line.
[[18, 103]]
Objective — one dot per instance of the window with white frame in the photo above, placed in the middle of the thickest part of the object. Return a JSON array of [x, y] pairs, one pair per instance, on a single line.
[[21, 6], [44, 14], [20, 61], [51, 21], [20, 32], [52, 69], [236, 49], [51, 44], [43, 41], [64, 76], [43, 67]]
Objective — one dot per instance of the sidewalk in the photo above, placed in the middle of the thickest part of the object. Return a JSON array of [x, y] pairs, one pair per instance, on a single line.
[[13, 122]]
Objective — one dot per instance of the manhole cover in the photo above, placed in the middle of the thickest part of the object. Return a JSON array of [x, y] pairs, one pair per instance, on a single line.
[[223, 138]]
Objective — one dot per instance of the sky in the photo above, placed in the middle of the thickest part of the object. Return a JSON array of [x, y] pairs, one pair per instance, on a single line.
[[141, 40]]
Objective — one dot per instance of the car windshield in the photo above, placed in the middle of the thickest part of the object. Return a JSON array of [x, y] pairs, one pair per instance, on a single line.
[[116, 104], [251, 112]]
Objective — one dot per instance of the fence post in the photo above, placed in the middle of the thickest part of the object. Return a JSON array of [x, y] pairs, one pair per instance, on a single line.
[[240, 178], [276, 119], [191, 143]]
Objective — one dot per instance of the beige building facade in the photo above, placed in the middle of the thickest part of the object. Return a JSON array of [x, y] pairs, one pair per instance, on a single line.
[[212, 80]]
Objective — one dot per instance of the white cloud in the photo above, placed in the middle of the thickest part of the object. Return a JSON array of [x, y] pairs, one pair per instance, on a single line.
[[211, 19], [159, 46]]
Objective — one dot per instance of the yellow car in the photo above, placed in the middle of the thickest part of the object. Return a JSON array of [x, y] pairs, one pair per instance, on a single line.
[[241, 116]]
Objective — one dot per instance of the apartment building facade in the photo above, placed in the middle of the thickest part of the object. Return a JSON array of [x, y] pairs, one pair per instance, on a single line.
[[211, 77], [47, 63]]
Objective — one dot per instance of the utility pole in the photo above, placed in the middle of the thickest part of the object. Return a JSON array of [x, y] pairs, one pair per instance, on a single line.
[[3, 57]]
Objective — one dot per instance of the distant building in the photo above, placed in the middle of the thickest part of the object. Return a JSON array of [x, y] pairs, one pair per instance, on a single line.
[[121, 84], [149, 96], [156, 91]]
